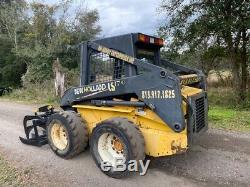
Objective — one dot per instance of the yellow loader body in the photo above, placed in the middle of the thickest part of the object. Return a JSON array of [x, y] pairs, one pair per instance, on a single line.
[[160, 140]]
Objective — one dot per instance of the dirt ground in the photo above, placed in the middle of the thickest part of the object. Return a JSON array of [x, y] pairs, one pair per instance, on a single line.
[[219, 158]]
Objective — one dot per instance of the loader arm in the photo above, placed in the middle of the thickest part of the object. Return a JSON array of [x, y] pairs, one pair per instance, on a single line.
[[186, 74], [158, 88]]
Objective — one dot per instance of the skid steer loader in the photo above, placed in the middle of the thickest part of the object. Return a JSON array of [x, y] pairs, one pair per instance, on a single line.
[[130, 103]]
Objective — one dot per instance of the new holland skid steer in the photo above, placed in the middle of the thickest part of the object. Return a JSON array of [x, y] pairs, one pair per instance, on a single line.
[[130, 103]]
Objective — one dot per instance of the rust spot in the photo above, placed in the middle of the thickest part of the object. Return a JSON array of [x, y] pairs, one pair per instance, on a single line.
[[176, 148]]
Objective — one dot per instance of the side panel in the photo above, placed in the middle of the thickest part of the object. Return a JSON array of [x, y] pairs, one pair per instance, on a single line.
[[159, 138]]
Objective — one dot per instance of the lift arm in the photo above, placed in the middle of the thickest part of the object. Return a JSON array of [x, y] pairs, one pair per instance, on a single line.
[[158, 88]]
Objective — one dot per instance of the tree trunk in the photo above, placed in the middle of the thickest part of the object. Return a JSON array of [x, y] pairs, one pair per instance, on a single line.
[[236, 68], [236, 75], [244, 67], [59, 78]]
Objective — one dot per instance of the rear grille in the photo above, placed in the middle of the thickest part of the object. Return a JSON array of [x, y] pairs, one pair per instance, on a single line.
[[200, 120]]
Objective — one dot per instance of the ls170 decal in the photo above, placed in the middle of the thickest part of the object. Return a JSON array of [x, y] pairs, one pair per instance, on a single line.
[[98, 88]]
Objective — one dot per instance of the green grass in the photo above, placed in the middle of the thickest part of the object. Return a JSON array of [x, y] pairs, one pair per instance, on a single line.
[[230, 119], [225, 112], [34, 94], [10, 176]]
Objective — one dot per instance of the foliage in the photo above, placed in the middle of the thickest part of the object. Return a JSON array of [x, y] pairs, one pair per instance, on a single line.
[[201, 27], [13, 20], [35, 94], [225, 97], [204, 58], [36, 34]]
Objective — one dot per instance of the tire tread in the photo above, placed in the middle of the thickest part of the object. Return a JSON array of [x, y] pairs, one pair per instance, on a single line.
[[78, 132]]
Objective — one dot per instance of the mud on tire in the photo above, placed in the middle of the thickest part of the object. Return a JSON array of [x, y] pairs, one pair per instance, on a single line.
[[128, 133], [76, 134]]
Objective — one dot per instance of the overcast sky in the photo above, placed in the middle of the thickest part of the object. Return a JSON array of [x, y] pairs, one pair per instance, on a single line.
[[123, 16]]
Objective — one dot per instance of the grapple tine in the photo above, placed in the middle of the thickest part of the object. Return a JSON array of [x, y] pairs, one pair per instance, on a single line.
[[40, 121], [34, 142], [27, 129]]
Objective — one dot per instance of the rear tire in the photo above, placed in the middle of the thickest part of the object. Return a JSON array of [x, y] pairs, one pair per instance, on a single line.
[[104, 146], [67, 134]]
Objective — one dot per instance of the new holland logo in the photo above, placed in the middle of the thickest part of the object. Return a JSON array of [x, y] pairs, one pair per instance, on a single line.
[[99, 88]]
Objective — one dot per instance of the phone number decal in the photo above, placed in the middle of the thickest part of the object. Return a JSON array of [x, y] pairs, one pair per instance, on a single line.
[[158, 94]]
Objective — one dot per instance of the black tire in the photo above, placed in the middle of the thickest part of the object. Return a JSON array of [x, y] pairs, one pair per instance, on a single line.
[[128, 133], [76, 132]]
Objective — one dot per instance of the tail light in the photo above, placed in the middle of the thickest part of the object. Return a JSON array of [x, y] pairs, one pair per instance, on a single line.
[[150, 40]]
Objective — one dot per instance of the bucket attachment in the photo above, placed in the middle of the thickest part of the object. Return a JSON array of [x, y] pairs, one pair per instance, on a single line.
[[35, 127]]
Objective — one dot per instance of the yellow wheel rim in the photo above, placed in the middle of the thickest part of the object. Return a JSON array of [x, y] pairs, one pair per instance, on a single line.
[[59, 136]]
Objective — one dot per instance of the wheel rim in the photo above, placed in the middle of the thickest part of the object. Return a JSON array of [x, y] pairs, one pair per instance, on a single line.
[[111, 148], [59, 136]]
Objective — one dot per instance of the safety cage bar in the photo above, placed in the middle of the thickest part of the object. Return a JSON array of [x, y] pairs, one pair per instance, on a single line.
[[107, 64], [102, 64]]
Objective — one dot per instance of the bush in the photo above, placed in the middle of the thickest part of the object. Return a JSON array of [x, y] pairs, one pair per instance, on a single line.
[[226, 97], [36, 93], [72, 78]]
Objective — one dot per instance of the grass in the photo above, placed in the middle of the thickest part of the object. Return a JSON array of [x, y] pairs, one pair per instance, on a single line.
[[226, 97], [230, 119], [10, 176], [34, 94], [225, 112]]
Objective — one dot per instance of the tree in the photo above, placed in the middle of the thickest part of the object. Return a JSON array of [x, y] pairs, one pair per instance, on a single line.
[[12, 23], [12, 19], [223, 23], [33, 35], [85, 25], [52, 34]]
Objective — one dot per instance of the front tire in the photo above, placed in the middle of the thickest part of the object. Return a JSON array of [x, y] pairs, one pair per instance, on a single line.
[[115, 139], [67, 134]]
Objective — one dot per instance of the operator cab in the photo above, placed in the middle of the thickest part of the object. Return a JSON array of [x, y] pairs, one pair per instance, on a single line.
[[99, 67], [137, 45]]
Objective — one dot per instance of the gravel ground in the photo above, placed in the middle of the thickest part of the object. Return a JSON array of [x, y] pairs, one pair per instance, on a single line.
[[219, 158]]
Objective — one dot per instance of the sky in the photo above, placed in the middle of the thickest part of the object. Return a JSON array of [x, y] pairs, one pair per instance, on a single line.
[[123, 16]]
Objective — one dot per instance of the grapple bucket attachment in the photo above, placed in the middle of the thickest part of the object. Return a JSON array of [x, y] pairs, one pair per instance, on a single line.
[[35, 127]]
